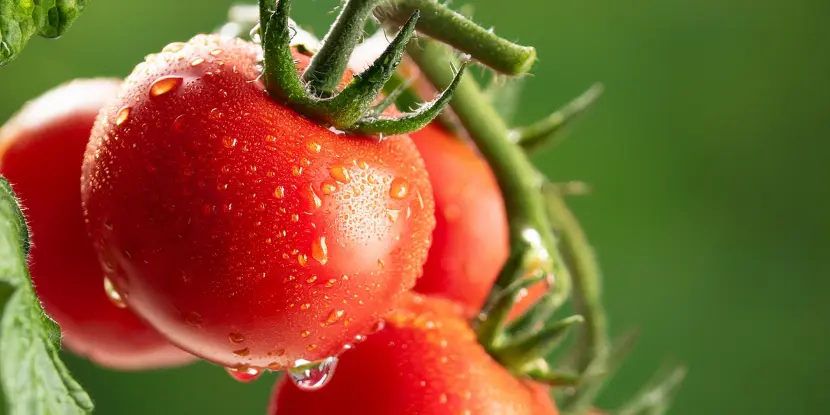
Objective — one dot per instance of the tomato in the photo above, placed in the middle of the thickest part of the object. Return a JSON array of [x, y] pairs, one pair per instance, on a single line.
[[247, 234], [41, 151], [470, 241], [425, 361]]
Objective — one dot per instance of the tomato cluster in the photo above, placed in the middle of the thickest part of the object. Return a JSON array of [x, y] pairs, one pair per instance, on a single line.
[[185, 213]]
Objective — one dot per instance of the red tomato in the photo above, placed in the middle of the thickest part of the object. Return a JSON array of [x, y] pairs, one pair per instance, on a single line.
[[247, 234], [470, 241], [41, 151], [427, 361]]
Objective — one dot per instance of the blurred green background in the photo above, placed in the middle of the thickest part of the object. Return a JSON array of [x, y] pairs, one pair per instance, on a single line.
[[708, 156]]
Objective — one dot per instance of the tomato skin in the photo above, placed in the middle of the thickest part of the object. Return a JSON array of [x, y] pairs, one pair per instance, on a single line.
[[470, 242], [425, 361], [41, 151], [247, 234]]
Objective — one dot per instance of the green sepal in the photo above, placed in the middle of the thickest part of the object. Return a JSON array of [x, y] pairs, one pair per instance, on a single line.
[[20, 20], [350, 105], [391, 98], [326, 68], [551, 128], [410, 121], [489, 323], [34, 379], [553, 378], [517, 353]]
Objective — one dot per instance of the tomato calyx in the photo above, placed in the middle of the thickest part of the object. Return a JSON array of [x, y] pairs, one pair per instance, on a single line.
[[312, 96], [315, 94]]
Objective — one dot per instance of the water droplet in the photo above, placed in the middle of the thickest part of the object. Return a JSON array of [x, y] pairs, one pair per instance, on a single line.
[[314, 147], [242, 352], [179, 123], [279, 192], [378, 326], [309, 376], [236, 338], [197, 61], [114, 296], [123, 115], [334, 316], [328, 187], [399, 188], [164, 85], [244, 374], [341, 174], [173, 47], [302, 259], [320, 251], [314, 199], [228, 142], [393, 214]]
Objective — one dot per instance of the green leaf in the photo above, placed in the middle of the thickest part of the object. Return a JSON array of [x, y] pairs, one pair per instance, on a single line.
[[35, 381], [22, 19]]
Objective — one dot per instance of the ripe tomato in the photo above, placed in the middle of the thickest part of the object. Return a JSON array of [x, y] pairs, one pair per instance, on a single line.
[[426, 361], [247, 234], [41, 151], [470, 241]]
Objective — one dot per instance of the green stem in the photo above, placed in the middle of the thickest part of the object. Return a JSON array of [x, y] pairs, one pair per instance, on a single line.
[[581, 259], [593, 346], [442, 23], [530, 235], [326, 68]]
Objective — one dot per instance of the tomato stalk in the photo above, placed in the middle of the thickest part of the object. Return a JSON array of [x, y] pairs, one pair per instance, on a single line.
[[533, 246]]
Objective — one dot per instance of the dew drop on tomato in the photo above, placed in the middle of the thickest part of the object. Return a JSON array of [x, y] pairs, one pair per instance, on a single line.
[[114, 296], [399, 188], [244, 374], [319, 250], [309, 376], [164, 85], [122, 116]]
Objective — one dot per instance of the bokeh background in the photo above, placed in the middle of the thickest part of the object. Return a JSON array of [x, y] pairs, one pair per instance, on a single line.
[[708, 156]]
